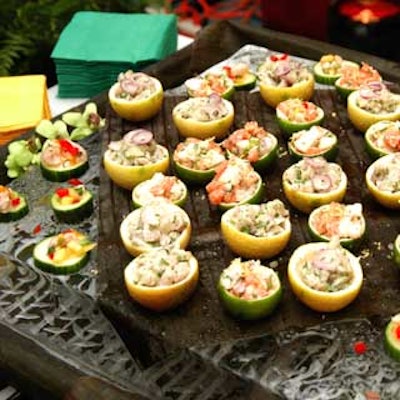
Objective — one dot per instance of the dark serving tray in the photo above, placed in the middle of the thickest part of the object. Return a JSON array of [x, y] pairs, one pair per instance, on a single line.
[[197, 351]]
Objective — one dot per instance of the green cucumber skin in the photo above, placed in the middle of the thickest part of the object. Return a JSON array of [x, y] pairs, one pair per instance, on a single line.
[[77, 214], [193, 177], [17, 214], [391, 349], [61, 270], [288, 127], [63, 175]]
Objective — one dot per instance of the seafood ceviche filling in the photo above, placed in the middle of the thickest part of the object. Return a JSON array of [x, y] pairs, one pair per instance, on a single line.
[[135, 86], [164, 267], [313, 141], [67, 245], [298, 111], [314, 175], [386, 173], [158, 224], [212, 82], [237, 71], [327, 269], [374, 97], [353, 77], [249, 280], [197, 154], [9, 200], [235, 181], [385, 135], [331, 64], [62, 153], [282, 71], [337, 220], [160, 186], [203, 109], [260, 220], [137, 147], [251, 142]]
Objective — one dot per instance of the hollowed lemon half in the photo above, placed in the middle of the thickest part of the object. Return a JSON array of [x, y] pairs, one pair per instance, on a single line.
[[319, 300]]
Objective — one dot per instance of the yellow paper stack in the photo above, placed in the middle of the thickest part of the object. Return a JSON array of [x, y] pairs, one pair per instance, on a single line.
[[23, 104]]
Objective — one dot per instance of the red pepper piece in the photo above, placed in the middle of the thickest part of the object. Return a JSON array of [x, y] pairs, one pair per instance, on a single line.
[[68, 147], [75, 182], [37, 229], [62, 192], [397, 331], [16, 202], [360, 347]]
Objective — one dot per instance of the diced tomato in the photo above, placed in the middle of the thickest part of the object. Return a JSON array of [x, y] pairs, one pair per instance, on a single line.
[[62, 192], [392, 139], [253, 155], [216, 197]]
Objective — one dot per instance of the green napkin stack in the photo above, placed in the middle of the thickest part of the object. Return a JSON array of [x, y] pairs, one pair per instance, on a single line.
[[96, 46]]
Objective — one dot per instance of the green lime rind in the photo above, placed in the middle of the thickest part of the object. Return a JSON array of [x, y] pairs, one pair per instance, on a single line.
[[290, 127], [373, 151], [18, 212], [268, 159], [323, 78], [246, 82], [349, 244], [396, 251], [255, 198], [62, 175], [43, 262], [329, 154], [193, 176], [180, 202], [391, 342], [73, 213], [250, 309]]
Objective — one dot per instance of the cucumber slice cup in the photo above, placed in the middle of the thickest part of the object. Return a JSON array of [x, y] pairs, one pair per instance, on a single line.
[[45, 263], [392, 338], [16, 212], [75, 212]]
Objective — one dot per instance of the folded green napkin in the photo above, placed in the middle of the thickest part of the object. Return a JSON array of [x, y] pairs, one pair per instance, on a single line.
[[95, 46]]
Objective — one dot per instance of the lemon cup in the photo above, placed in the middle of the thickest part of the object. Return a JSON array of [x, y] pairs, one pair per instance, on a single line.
[[240, 228], [136, 96], [162, 295], [319, 300]]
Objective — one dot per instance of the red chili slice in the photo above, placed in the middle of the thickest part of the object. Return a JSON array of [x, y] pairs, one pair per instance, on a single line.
[[138, 137]]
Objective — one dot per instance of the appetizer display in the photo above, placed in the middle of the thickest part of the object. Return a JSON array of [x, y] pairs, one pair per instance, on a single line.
[[162, 279], [254, 144], [392, 337], [135, 158], [281, 77], [313, 142], [13, 206], [241, 75], [203, 117], [383, 180], [195, 160], [295, 115], [325, 276], [329, 68], [257, 230], [396, 250], [160, 186], [211, 83], [343, 222], [62, 159], [72, 203], [312, 182], [136, 96], [372, 103], [155, 225], [383, 138], [64, 253], [234, 183], [353, 77], [249, 290]]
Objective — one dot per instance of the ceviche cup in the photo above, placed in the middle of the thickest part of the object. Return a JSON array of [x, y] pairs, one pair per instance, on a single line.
[[382, 138], [273, 95], [194, 176], [385, 198], [191, 127], [330, 78], [317, 300], [137, 110], [363, 119], [135, 249], [128, 176], [306, 202], [392, 337], [162, 298], [250, 309], [250, 246]]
